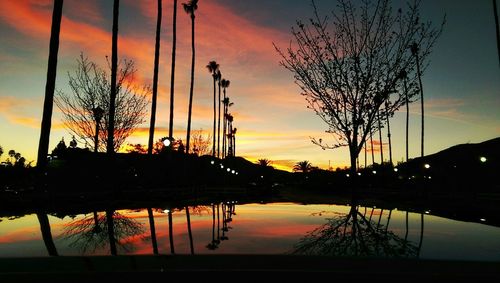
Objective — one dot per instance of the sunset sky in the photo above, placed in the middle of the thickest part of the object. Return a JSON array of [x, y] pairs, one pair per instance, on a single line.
[[461, 85]]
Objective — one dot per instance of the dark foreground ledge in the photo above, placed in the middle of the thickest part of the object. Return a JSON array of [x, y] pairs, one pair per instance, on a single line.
[[276, 268]]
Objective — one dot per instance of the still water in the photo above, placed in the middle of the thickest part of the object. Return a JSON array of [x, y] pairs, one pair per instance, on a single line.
[[232, 228]]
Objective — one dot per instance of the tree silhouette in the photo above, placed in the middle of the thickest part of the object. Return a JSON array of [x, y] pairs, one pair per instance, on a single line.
[[90, 91], [110, 148], [213, 68], [302, 166], [172, 73], [354, 235], [348, 68], [219, 77], [264, 162], [190, 7], [96, 231], [48, 103], [155, 80]]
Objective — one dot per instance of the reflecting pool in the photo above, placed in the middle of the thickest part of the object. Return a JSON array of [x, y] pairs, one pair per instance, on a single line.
[[251, 228]]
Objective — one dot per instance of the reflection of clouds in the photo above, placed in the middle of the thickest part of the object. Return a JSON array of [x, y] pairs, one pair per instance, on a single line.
[[353, 234], [91, 232]]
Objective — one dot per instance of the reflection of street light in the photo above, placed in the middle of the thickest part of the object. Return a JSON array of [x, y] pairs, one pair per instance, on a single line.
[[427, 166], [98, 112]]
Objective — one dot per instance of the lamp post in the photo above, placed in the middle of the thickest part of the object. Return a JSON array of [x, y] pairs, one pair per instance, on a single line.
[[98, 113]]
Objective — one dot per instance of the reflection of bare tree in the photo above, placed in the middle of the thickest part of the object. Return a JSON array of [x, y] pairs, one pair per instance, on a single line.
[[354, 235], [95, 231]]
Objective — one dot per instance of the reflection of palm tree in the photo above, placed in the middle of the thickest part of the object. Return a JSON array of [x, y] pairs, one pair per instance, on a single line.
[[172, 73], [153, 230], [170, 232], [214, 244], [95, 231], [155, 80], [421, 233], [46, 234], [188, 219], [354, 235], [48, 103], [189, 8]]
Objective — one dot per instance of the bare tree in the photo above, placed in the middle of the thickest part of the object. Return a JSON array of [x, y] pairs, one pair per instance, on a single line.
[[349, 66], [90, 89], [201, 143]]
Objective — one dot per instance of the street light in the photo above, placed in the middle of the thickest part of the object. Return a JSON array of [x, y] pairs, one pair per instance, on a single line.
[[98, 113], [483, 159]]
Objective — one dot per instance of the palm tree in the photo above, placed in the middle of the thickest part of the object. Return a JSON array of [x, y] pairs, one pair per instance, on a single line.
[[155, 80], [380, 137], [224, 84], [229, 119], [213, 67], [48, 104], [189, 8], [264, 162], [234, 141], [497, 28], [114, 67], [389, 133], [403, 75], [172, 73], [302, 166], [414, 51], [219, 76]]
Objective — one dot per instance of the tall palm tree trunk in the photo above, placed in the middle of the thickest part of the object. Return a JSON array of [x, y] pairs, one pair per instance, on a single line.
[[172, 73], [407, 117], [371, 146], [218, 125], [188, 136], [155, 80], [215, 120], [389, 138], [48, 103], [114, 66], [152, 228], [497, 28], [419, 74], [380, 137]]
